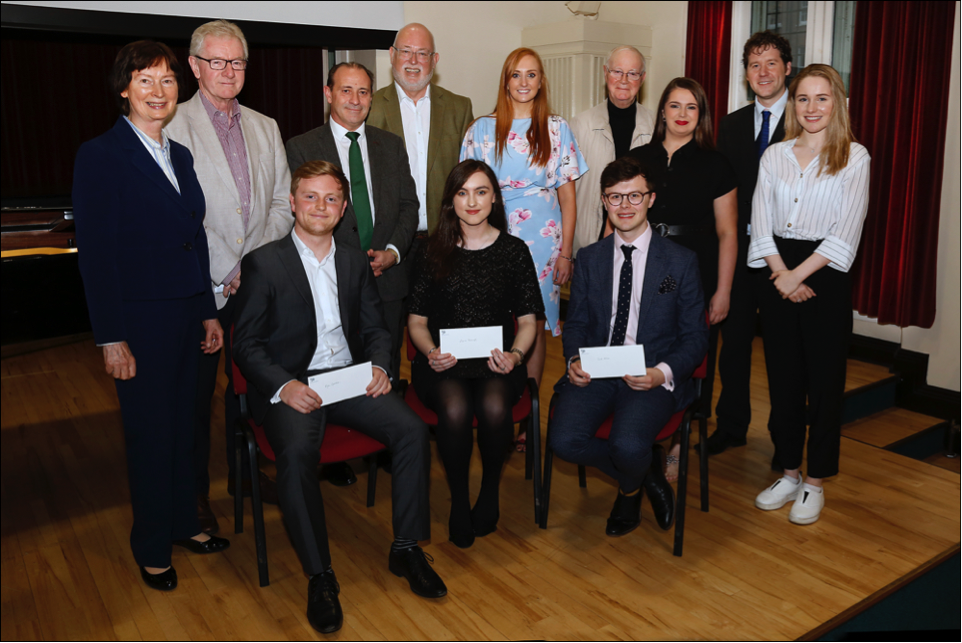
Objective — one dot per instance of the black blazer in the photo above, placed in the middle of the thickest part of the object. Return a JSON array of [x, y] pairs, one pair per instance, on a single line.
[[138, 239], [395, 197], [736, 140], [275, 326], [671, 315]]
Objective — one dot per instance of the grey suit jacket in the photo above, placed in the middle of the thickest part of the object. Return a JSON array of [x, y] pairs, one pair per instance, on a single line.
[[451, 115], [270, 209], [671, 316], [395, 197]]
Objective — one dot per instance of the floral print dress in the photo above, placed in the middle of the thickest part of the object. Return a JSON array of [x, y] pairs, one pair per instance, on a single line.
[[531, 193]]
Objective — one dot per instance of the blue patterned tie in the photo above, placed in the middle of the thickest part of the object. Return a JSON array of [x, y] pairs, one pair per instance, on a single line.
[[624, 299], [764, 136]]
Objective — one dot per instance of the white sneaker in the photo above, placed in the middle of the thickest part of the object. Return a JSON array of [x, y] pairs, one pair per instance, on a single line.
[[808, 505], [784, 490]]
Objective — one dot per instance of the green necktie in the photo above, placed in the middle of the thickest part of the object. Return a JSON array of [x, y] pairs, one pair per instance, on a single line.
[[359, 195]]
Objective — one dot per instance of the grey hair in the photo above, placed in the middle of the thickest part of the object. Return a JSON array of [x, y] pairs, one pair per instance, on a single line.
[[216, 29], [644, 66]]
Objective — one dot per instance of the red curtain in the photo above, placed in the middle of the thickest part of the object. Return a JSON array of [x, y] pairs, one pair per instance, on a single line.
[[899, 104], [708, 52]]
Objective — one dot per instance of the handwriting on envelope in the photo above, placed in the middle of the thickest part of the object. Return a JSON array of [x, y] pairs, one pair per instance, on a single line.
[[470, 343], [613, 361], [342, 384]]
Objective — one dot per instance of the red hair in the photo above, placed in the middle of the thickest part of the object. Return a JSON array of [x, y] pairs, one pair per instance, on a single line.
[[539, 141]]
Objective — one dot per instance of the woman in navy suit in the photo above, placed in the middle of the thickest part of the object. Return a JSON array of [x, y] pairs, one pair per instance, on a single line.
[[139, 213]]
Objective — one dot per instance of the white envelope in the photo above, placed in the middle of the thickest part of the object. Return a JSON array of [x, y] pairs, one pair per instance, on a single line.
[[468, 343], [613, 361], [342, 384]]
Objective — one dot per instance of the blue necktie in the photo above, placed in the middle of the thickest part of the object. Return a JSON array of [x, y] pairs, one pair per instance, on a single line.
[[764, 136], [624, 299]]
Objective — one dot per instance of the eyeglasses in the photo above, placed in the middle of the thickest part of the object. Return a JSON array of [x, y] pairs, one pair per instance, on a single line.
[[634, 198], [422, 56], [217, 64], [633, 76]]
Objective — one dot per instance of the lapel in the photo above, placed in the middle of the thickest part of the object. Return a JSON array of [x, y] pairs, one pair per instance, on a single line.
[[654, 273], [779, 134], [141, 159], [606, 258], [746, 135], [378, 169], [295, 269], [253, 152], [200, 123], [342, 266], [438, 105], [392, 111]]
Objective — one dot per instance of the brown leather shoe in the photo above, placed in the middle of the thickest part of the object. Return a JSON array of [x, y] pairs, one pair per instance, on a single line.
[[268, 489], [208, 521]]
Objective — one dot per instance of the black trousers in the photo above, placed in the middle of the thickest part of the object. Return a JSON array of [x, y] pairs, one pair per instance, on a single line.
[[806, 348], [157, 406], [296, 439], [206, 383], [734, 409]]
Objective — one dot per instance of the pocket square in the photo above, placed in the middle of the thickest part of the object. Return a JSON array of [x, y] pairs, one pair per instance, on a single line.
[[667, 285]]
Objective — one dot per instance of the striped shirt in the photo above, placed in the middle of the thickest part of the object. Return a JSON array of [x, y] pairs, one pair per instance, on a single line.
[[160, 152], [792, 203]]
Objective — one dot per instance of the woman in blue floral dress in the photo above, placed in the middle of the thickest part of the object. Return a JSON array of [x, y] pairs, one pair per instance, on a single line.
[[536, 159]]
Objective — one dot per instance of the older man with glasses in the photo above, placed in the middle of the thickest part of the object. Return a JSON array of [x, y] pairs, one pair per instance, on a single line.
[[606, 132], [241, 164]]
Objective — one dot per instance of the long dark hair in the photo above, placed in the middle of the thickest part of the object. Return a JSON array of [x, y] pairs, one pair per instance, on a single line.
[[448, 236], [704, 137]]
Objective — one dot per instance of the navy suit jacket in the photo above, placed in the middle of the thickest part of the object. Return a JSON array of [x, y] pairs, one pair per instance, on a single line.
[[671, 317], [138, 239], [275, 326]]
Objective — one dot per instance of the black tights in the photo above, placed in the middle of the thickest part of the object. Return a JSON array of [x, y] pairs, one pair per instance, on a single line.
[[456, 403]]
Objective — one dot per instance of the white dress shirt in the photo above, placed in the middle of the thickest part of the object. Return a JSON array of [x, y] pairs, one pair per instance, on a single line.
[[639, 260], [416, 120], [795, 203], [777, 110]]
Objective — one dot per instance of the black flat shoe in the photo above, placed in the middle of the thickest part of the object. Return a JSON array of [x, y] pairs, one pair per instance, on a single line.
[[625, 514], [463, 541], [323, 607], [212, 546], [164, 581], [339, 474], [413, 565], [719, 441], [659, 491]]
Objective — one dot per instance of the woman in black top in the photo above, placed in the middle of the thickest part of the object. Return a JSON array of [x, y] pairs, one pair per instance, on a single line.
[[696, 206], [473, 274]]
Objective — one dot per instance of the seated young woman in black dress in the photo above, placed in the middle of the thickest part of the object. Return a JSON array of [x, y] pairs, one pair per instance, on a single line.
[[472, 274]]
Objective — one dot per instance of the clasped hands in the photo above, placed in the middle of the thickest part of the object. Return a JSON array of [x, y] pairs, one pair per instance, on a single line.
[[381, 260], [790, 287], [499, 362], [303, 399], [653, 377]]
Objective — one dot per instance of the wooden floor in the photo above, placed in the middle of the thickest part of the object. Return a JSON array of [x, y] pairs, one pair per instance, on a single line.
[[67, 570]]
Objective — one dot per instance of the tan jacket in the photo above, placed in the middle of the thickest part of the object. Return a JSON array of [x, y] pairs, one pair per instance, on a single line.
[[270, 208], [597, 144], [450, 117]]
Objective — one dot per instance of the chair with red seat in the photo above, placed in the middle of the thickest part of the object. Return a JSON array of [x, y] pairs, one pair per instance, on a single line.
[[526, 411], [339, 445], [679, 421]]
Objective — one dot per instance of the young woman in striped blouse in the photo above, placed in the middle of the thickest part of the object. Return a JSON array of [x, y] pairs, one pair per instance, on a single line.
[[807, 216]]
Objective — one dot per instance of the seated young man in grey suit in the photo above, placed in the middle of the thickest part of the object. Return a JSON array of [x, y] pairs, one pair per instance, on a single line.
[[632, 287], [310, 305]]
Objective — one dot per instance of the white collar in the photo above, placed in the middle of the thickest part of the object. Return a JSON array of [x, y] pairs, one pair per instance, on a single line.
[[340, 131], [401, 96]]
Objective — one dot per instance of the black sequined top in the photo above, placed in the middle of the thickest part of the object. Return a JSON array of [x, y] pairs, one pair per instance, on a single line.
[[487, 287]]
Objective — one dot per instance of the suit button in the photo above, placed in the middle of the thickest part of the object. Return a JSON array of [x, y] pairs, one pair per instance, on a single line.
[[239, 211], [188, 247], [239, 240]]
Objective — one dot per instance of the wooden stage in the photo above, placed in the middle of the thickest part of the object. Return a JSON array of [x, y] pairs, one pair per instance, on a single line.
[[67, 570]]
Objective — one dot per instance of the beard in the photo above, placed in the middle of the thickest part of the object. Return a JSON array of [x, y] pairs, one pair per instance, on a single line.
[[413, 87]]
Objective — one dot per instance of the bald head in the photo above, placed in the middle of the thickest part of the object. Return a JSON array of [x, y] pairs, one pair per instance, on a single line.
[[413, 59]]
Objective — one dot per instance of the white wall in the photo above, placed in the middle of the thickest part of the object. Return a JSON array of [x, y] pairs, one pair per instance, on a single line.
[[370, 15]]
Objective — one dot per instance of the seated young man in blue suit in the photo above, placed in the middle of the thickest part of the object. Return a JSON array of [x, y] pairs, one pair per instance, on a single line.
[[632, 287]]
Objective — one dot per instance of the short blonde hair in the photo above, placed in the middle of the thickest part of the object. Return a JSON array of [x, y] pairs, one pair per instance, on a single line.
[[216, 29]]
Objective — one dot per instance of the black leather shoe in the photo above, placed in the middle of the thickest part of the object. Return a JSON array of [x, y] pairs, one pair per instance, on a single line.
[[625, 514], [164, 581], [339, 474], [268, 488], [212, 546], [323, 608], [412, 564], [718, 441], [208, 521], [659, 492]]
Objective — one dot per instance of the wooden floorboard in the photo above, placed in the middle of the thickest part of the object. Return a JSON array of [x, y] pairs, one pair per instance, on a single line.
[[67, 571], [888, 427]]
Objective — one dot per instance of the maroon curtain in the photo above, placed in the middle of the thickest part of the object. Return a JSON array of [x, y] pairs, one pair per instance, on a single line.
[[899, 104], [708, 50]]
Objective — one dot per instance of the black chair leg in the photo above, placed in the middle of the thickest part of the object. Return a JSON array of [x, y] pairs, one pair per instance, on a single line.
[[371, 479], [238, 481], [703, 461], [260, 541], [534, 449], [582, 477], [526, 427], [682, 497]]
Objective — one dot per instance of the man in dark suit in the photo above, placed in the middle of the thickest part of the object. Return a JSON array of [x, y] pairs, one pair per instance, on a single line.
[[309, 305], [632, 287], [743, 136], [382, 212]]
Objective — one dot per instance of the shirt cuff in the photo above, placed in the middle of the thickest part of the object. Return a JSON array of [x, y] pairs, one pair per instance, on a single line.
[[669, 376], [758, 249], [277, 396], [391, 246], [389, 378], [230, 276], [839, 253], [108, 344]]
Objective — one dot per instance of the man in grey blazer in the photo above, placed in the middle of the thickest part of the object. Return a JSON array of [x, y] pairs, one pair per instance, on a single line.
[[241, 165], [633, 287]]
